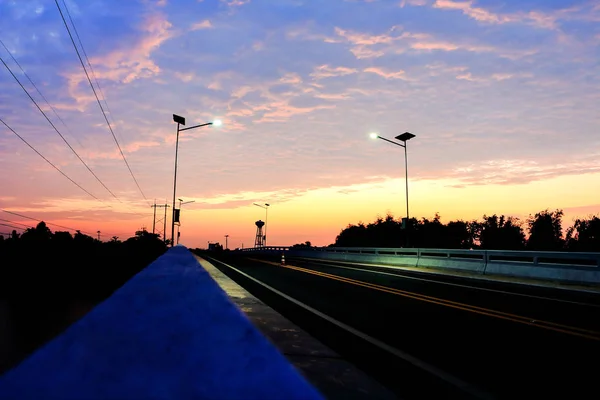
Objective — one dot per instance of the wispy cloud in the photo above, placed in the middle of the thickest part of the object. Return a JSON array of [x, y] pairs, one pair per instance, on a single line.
[[326, 71], [123, 65], [204, 24], [386, 74]]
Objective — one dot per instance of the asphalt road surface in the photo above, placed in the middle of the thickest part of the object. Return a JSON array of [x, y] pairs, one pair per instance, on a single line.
[[435, 336]]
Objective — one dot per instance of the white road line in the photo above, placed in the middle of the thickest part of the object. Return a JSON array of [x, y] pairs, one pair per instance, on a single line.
[[392, 350], [330, 263]]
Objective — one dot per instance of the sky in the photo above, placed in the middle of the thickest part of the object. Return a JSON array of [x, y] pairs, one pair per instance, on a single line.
[[503, 97]]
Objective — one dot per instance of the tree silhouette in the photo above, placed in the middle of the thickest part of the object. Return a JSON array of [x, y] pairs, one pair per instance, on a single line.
[[584, 235], [40, 233], [545, 231], [492, 232], [501, 233]]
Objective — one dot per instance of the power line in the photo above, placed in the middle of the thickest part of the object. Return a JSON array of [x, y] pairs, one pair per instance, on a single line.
[[17, 223], [48, 161], [56, 129], [86, 57], [11, 226], [39, 92], [47, 223], [98, 100]]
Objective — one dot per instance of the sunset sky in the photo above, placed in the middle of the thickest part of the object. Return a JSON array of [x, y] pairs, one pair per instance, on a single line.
[[502, 95]]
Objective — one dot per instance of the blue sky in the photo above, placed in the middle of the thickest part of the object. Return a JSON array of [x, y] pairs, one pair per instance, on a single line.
[[501, 95]]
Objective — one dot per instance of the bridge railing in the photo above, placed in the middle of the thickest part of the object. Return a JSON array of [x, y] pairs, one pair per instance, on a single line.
[[576, 267]]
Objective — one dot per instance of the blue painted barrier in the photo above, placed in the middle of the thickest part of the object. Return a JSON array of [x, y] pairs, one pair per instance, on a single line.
[[168, 333]]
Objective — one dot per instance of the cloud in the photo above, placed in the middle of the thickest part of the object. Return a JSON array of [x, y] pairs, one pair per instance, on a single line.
[[185, 77], [291, 78], [282, 111], [325, 71], [204, 24], [129, 63], [114, 154], [477, 13], [536, 18], [235, 3], [515, 171], [363, 38], [386, 74], [417, 3]]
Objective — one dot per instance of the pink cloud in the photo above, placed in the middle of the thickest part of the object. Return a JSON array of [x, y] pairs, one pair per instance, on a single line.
[[386, 74], [362, 38], [124, 65], [282, 111], [115, 155], [514, 171], [184, 77], [535, 18], [477, 13], [291, 78], [325, 71]]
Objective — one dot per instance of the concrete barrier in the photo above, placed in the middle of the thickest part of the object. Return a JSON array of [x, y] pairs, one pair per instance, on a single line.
[[568, 267], [460, 260], [168, 333]]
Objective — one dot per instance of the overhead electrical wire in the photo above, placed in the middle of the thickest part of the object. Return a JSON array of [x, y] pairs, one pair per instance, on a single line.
[[13, 222], [86, 58], [98, 100], [48, 161], [11, 226], [39, 92], [44, 97], [47, 223], [56, 129]]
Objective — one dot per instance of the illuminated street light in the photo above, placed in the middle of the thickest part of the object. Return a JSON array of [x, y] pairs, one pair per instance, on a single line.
[[406, 136], [181, 121]]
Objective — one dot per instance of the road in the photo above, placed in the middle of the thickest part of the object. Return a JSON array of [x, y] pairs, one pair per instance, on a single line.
[[427, 336]]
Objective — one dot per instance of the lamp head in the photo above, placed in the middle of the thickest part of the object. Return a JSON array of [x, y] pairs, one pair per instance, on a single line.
[[405, 136], [373, 135], [217, 122], [179, 119]]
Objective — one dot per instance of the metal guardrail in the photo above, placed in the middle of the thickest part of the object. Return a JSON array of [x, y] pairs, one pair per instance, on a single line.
[[560, 266]]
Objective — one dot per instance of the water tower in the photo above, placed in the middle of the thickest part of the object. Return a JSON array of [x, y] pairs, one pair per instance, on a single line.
[[259, 234]]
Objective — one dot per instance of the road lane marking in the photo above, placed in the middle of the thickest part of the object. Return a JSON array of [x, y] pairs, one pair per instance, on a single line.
[[331, 263], [567, 329], [443, 375]]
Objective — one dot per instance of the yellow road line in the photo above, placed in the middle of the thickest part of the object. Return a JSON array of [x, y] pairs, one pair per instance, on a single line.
[[571, 330]]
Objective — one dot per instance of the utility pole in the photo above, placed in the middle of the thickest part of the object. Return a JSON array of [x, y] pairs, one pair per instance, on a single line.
[[165, 223], [154, 219], [226, 242], [98, 235]]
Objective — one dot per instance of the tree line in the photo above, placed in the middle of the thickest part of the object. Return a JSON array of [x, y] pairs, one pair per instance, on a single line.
[[542, 231]]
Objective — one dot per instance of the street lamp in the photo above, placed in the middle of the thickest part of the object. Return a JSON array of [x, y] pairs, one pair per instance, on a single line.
[[181, 203], [181, 121], [266, 207], [406, 136]]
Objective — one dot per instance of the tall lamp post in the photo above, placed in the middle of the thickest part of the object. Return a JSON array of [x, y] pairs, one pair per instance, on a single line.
[[406, 136], [181, 203], [181, 121], [266, 207]]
